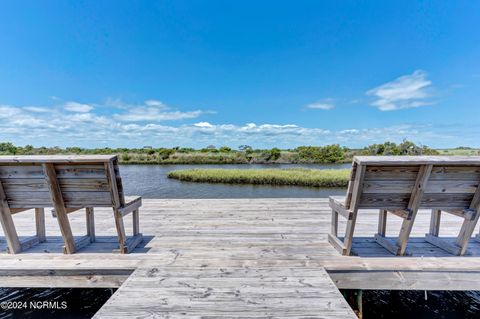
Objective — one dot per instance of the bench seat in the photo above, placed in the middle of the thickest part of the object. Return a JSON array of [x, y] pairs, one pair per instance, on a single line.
[[401, 185], [68, 184]]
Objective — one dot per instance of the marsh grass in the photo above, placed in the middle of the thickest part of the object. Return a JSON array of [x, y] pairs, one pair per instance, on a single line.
[[460, 152], [293, 176]]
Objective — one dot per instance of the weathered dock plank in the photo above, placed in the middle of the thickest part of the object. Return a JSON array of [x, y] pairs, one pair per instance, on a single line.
[[227, 292], [196, 240]]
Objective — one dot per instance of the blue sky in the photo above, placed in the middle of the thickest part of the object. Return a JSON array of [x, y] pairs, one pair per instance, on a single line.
[[263, 73]]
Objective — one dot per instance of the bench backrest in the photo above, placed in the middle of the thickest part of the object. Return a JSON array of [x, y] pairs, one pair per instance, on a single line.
[[390, 182], [83, 181]]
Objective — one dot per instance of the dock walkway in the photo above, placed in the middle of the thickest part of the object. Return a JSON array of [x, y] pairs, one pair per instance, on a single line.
[[237, 258]]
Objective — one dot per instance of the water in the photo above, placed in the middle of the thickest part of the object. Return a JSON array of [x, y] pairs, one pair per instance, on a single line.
[[150, 181], [412, 304]]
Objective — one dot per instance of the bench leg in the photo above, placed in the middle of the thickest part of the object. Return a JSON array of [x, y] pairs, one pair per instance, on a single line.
[[136, 222], [15, 245], [402, 240], [458, 248], [333, 236], [334, 223], [343, 247], [382, 222], [40, 224], [404, 235], [90, 218], [348, 239], [127, 245], [122, 238], [66, 230], [9, 230], [468, 227], [435, 222], [380, 238]]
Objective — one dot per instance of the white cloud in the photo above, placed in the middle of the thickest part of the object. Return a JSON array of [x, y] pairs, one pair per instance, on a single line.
[[151, 114], [320, 106], [7, 111], [408, 91], [153, 110], [349, 131], [91, 129], [77, 107], [155, 103], [37, 109], [203, 124]]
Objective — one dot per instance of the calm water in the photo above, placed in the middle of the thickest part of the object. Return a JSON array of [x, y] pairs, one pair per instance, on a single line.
[[390, 304], [150, 181]]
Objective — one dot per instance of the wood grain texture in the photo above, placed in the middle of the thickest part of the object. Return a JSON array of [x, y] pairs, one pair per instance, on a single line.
[[414, 203], [40, 224], [227, 292], [68, 183], [274, 235], [418, 160], [112, 185], [8, 226], [90, 223], [56, 158], [34, 171], [351, 181], [58, 203]]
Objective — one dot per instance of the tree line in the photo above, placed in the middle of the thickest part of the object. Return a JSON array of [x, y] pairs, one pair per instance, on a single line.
[[226, 155]]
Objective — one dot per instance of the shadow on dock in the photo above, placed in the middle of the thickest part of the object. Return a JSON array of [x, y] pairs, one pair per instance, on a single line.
[[362, 247], [417, 247], [102, 245]]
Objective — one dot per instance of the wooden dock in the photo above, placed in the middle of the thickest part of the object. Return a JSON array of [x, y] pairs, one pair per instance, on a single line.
[[246, 258]]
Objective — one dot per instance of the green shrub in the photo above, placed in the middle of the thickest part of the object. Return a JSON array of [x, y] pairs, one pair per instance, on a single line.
[[8, 148], [404, 148], [164, 153], [125, 157], [326, 154], [225, 149], [275, 154]]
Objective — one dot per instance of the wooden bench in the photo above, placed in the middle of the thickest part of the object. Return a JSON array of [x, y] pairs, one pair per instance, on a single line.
[[401, 185], [68, 184]]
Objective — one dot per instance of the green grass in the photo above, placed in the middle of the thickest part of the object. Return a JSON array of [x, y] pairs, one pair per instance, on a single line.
[[295, 176], [459, 152]]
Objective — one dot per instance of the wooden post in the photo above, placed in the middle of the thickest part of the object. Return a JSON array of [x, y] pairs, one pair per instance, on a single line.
[[413, 205], [59, 205], [136, 222], [360, 303], [351, 181], [468, 226], [8, 226], [122, 238], [382, 222], [334, 223], [356, 194], [470, 218], [435, 222], [112, 182], [90, 218], [40, 224]]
